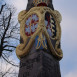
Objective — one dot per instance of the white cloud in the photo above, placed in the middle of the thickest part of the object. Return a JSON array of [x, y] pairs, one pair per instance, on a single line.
[[72, 74], [4, 67], [19, 4]]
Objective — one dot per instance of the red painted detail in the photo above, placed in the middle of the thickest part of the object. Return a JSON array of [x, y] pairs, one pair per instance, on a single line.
[[32, 21], [37, 21], [47, 27], [27, 34], [32, 32], [26, 26], [35, 24], [48, 18]]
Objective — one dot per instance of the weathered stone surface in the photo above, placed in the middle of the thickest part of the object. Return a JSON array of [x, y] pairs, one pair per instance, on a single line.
[[39, 64]]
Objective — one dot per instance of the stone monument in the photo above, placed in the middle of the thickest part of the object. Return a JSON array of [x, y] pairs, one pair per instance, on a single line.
[[39, 50]]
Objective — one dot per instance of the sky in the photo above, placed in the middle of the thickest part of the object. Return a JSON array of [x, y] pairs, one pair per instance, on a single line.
[[68, 10]]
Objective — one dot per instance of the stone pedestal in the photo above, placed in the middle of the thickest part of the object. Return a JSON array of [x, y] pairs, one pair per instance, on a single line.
[[39, 64]]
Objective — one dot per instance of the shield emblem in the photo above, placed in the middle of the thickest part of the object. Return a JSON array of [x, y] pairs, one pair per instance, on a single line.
[[31, 24]]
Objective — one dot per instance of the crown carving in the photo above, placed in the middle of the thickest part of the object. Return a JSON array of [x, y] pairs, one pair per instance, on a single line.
[[40, 2]]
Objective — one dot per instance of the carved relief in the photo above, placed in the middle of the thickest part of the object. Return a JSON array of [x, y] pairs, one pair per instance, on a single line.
[[35, 23]]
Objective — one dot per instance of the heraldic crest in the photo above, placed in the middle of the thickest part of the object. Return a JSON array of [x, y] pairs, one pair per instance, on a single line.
[[40, 25]]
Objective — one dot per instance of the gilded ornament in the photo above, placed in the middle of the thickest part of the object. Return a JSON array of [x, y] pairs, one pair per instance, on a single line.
[[41, 31]]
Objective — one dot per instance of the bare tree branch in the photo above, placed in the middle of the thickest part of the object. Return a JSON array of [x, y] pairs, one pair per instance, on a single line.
[[8, 50], [2, 8], [6, 72], [9, 46], [9, 30], [9, 62]]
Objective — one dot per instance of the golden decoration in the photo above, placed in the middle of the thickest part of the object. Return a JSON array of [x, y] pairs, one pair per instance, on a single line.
[[41, 40], [23, 49]]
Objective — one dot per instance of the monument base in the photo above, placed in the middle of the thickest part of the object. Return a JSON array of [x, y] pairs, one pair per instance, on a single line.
[[39, 64]]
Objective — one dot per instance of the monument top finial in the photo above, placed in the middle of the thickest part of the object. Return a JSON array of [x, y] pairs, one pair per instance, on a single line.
[[40, 2], [34, 3]]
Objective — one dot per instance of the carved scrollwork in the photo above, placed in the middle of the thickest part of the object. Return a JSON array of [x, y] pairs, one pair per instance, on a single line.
[[24, 48]]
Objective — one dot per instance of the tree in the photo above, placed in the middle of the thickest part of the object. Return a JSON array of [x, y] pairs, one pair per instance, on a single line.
[[7, 29], [9, 39]]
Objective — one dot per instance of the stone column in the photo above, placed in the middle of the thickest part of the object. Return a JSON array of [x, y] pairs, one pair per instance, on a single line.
[[39, 64], [39, 50]]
